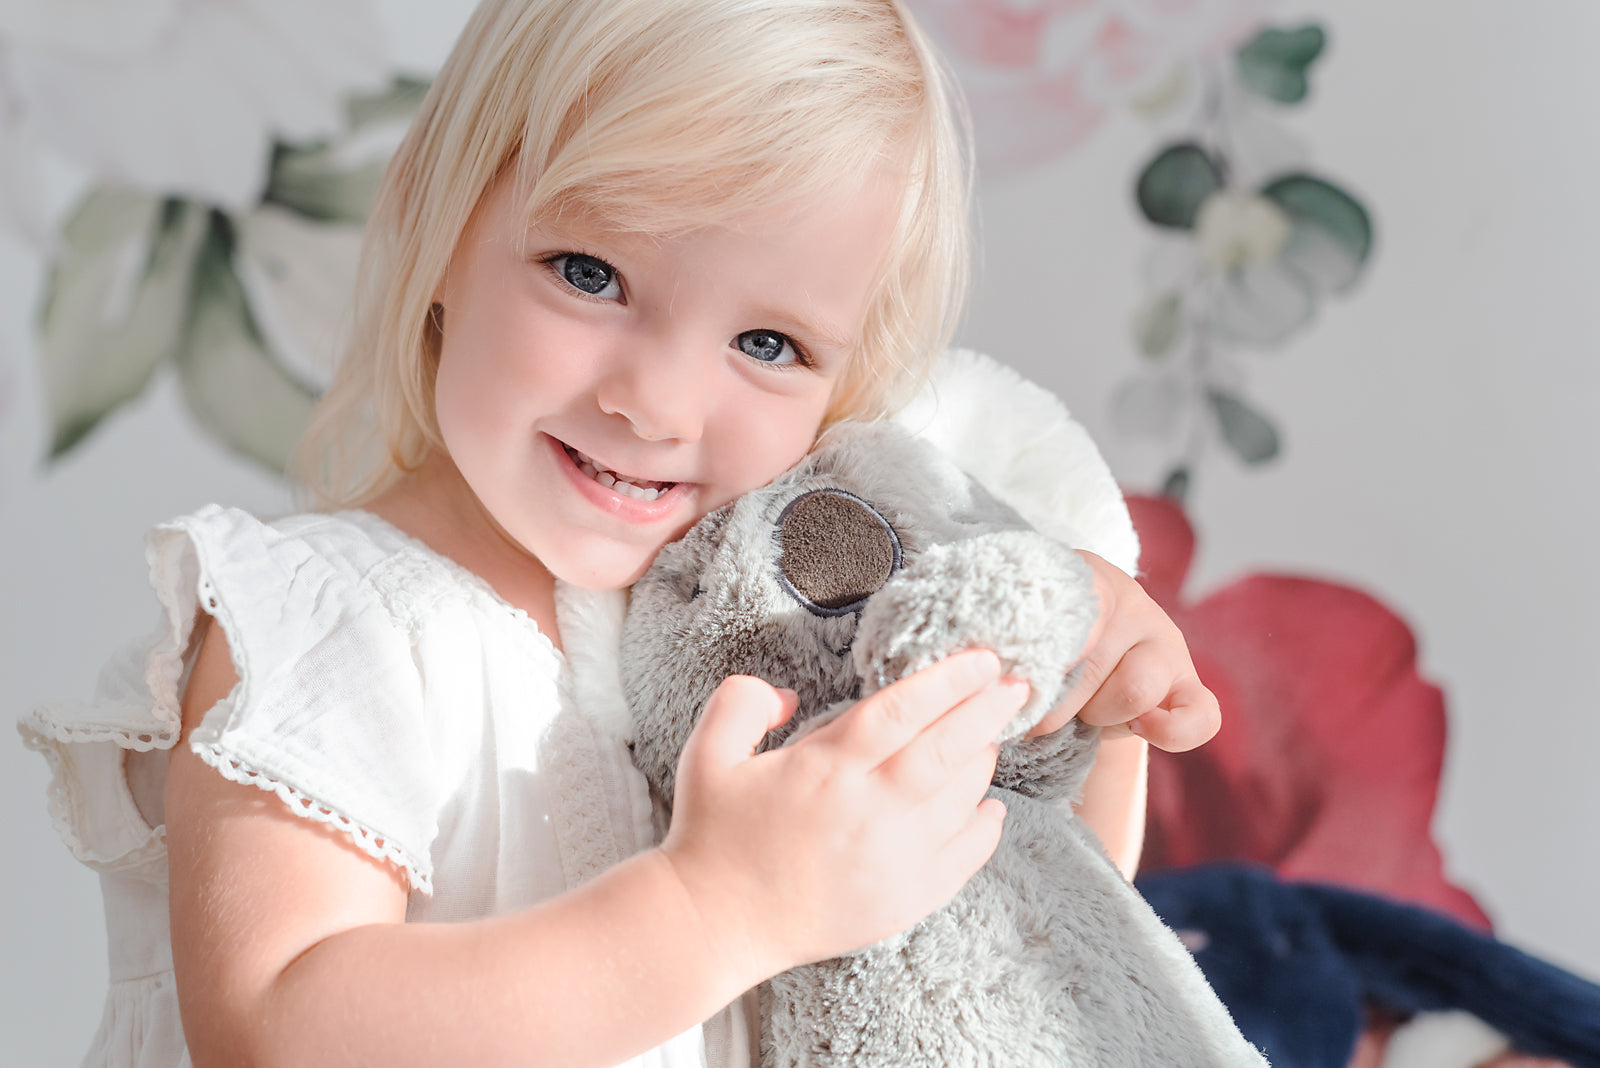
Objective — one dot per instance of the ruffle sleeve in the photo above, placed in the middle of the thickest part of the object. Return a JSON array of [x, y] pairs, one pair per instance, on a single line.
[[328, 713]]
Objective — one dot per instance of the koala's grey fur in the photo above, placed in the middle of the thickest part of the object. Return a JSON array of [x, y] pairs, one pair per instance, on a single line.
[[1047, 956]]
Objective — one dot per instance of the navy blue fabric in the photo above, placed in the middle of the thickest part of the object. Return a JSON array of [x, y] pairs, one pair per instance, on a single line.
[[1297, 963]]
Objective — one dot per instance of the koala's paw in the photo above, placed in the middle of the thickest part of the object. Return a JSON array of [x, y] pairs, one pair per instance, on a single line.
[[1025, 596]]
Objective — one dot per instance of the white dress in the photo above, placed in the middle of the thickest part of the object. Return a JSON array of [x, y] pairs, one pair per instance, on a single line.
[[390, 693]]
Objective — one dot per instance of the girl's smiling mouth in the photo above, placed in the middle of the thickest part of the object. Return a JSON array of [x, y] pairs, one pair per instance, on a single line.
[[621, 494], [639, 489]]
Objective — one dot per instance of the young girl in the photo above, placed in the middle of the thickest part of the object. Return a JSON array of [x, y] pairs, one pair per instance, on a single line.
[[354, 803]]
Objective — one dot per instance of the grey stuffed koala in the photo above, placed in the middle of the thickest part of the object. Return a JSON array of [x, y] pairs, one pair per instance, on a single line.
[[872, 558]]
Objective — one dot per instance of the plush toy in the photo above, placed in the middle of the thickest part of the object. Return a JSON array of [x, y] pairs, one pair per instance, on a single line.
[[874, 557]]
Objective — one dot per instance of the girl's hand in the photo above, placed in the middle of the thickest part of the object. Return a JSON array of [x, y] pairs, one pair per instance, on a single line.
[[852, 833], [1137, 675]]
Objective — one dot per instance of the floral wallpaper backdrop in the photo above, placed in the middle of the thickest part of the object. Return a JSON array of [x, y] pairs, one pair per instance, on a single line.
[[220, 243], [1246, 238], [182, 184]]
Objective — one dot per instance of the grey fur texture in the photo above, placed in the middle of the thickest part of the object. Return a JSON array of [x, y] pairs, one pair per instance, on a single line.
[[1047, 956]]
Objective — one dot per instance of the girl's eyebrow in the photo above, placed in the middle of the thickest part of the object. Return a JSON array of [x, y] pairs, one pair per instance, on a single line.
[[818, 330]]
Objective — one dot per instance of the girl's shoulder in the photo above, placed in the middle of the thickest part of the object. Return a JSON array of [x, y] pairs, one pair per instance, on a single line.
[[348, 562]]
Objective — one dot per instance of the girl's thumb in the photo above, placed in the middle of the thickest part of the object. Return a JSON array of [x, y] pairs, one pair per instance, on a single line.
[[737, 716]]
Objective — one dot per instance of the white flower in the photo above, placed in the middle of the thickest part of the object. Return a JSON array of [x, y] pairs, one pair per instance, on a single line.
[[184, 97], [1235, 228]]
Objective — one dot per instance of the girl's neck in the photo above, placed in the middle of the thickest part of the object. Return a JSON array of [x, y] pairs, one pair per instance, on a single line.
[[434, 505]]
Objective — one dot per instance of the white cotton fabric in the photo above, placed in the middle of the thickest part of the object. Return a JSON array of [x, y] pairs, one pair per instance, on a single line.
[[384, 691], [389, 693]]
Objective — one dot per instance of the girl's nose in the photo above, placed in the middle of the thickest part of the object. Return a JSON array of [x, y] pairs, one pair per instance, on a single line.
[[662, 387]]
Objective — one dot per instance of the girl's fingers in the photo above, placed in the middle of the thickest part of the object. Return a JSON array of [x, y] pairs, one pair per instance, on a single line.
[[881, 725], [1189, 718], [1142, 694], [738, 714], [952, 804], [971, 846], [1139, 682], [1105, 650], [950, 744]]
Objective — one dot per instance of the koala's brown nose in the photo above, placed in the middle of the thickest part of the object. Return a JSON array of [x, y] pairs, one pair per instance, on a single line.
[[836, 551]]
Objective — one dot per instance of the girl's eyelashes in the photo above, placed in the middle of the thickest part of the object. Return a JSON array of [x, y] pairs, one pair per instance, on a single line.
[[591, 277], [594, 279], [771, 347]]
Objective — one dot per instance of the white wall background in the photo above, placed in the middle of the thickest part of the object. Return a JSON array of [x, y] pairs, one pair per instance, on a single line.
[[1442, 432]]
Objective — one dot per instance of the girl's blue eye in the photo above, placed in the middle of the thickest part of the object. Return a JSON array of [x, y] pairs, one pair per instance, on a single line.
[[768, 346], [588, 275]]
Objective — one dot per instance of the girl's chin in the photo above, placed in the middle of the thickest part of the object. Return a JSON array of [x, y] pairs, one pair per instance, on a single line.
[[595, 568]]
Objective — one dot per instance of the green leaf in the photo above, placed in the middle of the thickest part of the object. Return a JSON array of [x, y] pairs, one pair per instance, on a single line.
[[1247, 432], [116, 304], [313, 182], [1172, 186], [336, 181], [1158, 325], [1331, 238], [1260, 305], [398, 103], [234, 387], [1275, 62], [1176, 485]]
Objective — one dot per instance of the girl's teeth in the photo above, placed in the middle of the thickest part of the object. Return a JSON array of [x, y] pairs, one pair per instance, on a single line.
[[612, 482]]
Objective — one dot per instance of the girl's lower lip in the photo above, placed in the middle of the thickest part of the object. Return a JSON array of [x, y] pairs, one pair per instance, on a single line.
[[611, 502]]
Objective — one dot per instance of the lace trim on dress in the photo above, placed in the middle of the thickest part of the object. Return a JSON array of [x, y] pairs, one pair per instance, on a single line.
[[62, 731], [39, 722], [366, 839], [44, 735]]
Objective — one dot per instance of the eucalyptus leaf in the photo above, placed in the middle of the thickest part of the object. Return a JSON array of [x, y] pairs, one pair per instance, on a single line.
[[1260, 305], [1149, 407], [1274, 62], [234, 387], [116, 305], [1247, 432], [398, 103], [336, 181], [1158, 325], [1331, 236], [1176, 484], [1172, 186], [310, 181]]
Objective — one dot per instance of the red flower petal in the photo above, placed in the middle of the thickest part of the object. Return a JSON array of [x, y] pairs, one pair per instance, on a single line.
[[1327, 766]]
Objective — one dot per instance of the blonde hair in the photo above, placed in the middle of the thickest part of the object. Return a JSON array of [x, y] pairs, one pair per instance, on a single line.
[[665, 115]]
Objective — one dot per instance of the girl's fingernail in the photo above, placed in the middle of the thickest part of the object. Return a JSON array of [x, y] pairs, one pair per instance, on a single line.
[[1136, 727]]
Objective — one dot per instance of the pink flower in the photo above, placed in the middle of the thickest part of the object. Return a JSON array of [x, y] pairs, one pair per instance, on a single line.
[[1327, 766], [1041, 75]]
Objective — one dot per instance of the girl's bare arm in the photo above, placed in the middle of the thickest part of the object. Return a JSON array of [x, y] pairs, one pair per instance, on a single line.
[[290, 947], [1113, 802]]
